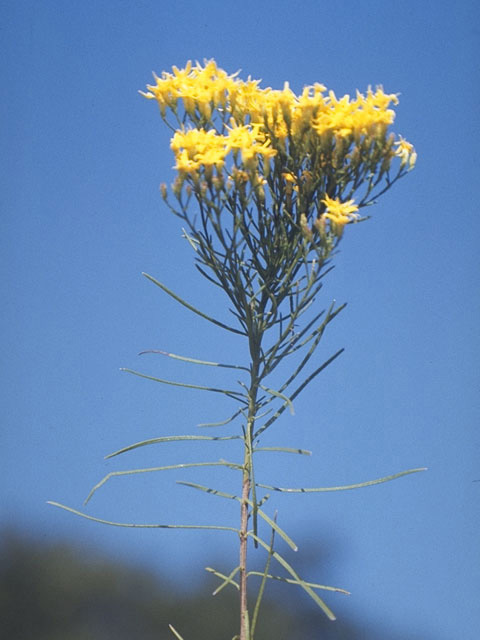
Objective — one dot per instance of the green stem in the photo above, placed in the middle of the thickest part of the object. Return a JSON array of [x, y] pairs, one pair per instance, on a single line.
[[244, 622], [248, 484]]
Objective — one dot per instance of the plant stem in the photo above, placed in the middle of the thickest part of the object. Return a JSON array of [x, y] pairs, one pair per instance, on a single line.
[[247, 486], [244, 621]]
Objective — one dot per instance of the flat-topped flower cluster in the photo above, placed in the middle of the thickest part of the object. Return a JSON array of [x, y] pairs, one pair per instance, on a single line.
[[314, 149]]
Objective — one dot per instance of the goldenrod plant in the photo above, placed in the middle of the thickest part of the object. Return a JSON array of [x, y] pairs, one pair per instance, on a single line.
[[266, 182]]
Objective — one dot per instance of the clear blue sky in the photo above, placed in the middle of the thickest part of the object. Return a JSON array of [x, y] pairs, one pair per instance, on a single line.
[[82, 157]]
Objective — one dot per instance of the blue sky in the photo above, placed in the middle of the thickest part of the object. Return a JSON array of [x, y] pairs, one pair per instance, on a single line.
[[83, 155]]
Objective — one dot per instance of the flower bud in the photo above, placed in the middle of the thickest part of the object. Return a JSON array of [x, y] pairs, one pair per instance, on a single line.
[[306, 231]]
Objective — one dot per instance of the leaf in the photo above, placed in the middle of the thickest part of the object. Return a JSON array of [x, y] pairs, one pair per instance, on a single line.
[[313, 585], [192, 242], [186, 465], [175, 632], [226, 579], [134, 525], [213, 492], [277, 394], [191, 307], [303, 452], [146, 443], [193, 360], [328, 612], [222, 423], [344, 487], [233, 394]]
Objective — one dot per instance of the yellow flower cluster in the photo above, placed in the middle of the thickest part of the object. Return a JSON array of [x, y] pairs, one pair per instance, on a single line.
[[360, 116], [250, 141], [199, 87], [282, 113], [259, 130], [196, 148]]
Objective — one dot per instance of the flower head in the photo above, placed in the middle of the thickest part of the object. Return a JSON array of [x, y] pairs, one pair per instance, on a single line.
[[339, 213], [196, 148], [406, 152]]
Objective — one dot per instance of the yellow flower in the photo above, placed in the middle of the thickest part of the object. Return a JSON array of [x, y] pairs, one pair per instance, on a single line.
[[339, 213], [164, 92], [185, 164], [338, 209], [379, 100], [362, 116], [289, 177], [246, 101], [196, 140], [406, 152], [211, 156], [291, 181], [249, 140], [198, 86], [198, 147], [306, 108], [242, 136]]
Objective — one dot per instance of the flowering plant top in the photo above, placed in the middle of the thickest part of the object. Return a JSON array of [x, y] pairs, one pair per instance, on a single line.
[[314, 149]]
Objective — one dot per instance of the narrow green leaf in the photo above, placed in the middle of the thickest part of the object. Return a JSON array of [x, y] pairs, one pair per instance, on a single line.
[[296, 342], [275, 527], [146, 443], [346, 487], [313, 585], [213, 492], [303, 452], [282, 396], [175, 632], [134, 525], [226, 579], [222, 423], [328, 612], [193, 243], [228, 392], [186, 465], [208, 277], [193, 360], [191, 307]]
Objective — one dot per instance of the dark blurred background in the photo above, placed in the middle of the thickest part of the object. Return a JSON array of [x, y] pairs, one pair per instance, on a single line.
[[59, 591]]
